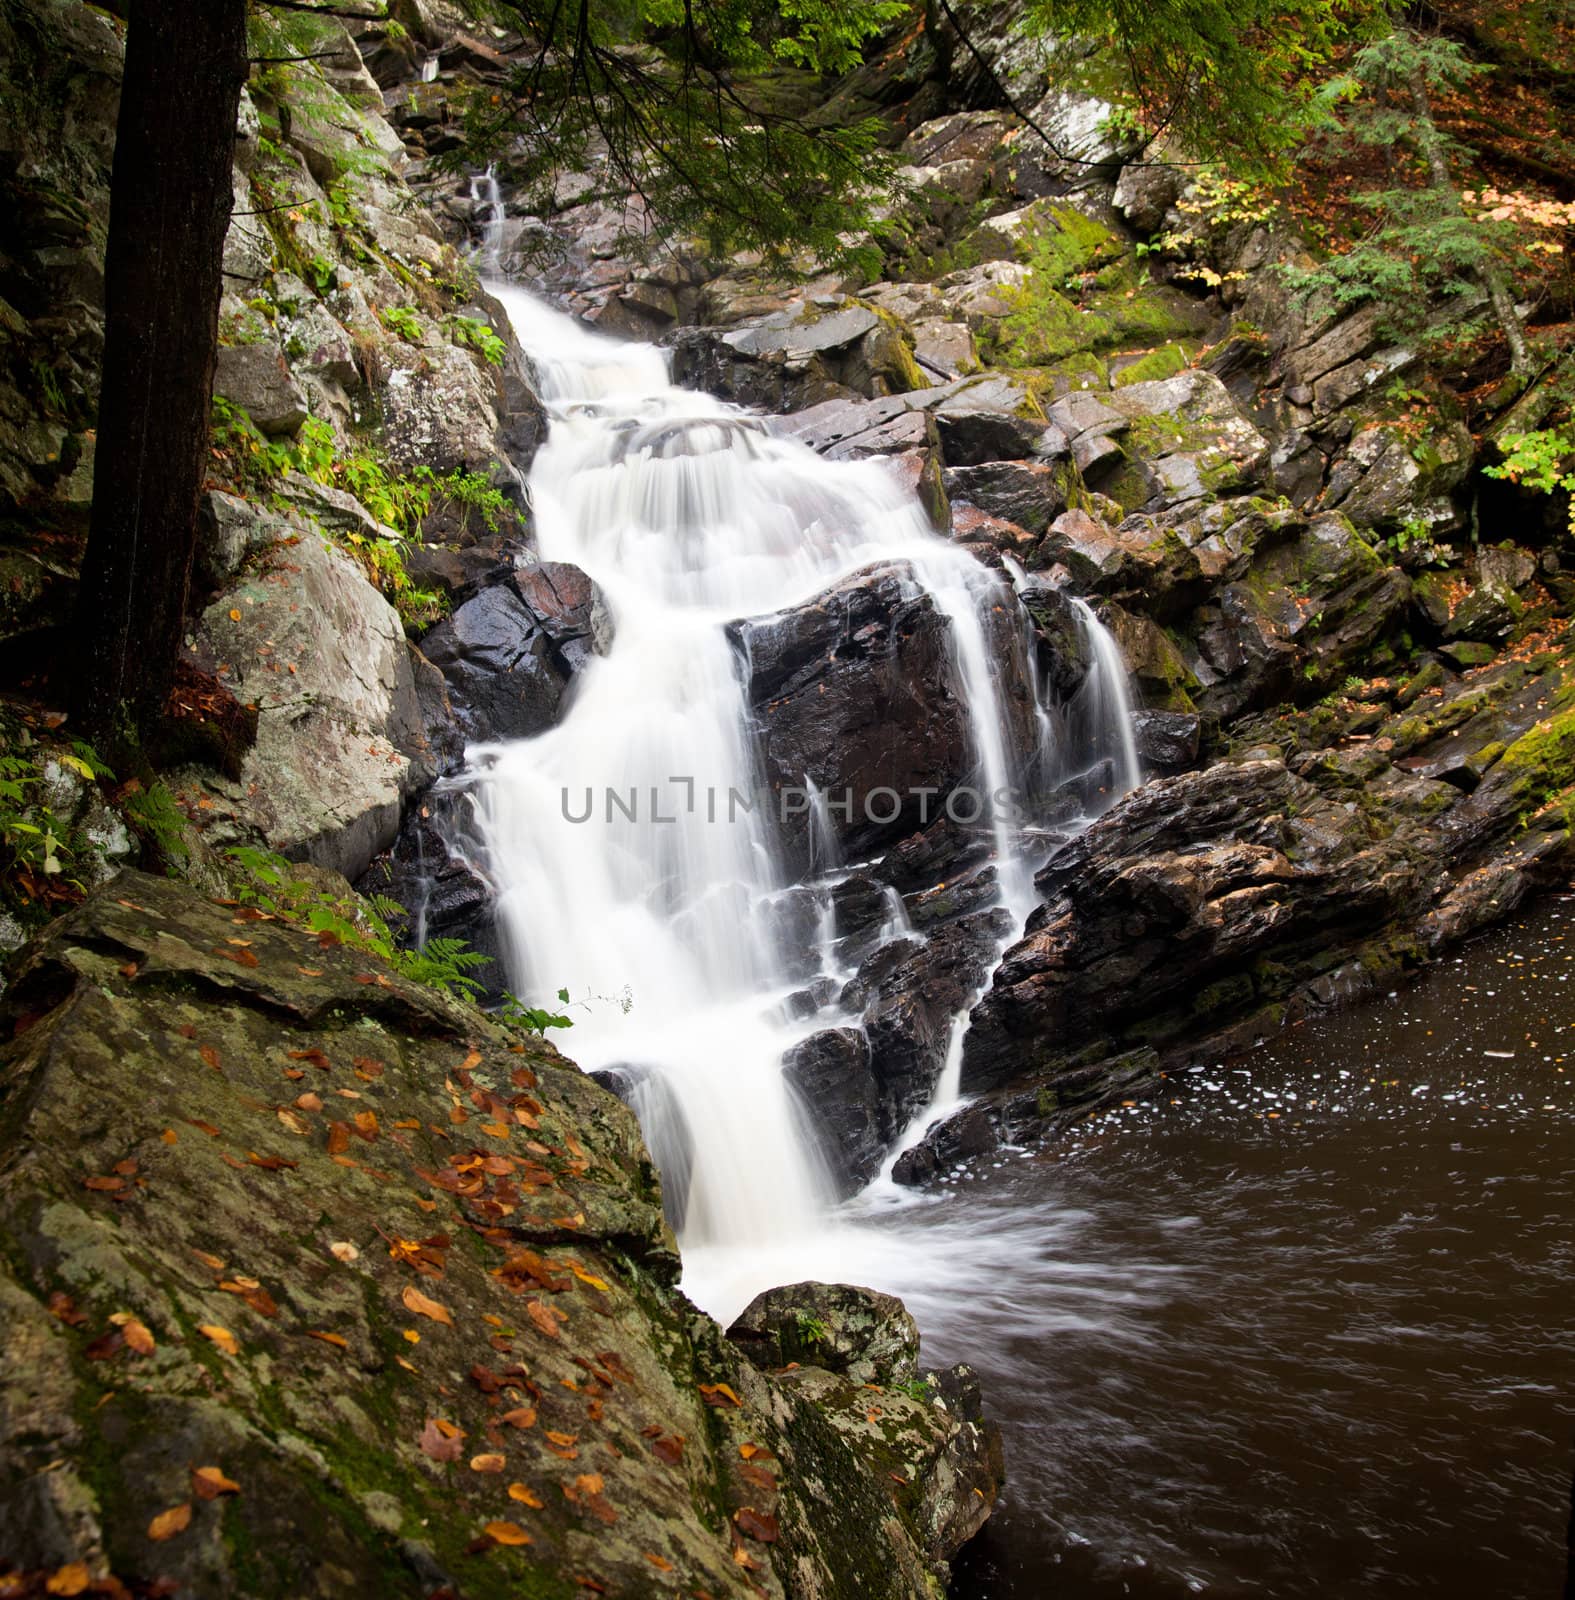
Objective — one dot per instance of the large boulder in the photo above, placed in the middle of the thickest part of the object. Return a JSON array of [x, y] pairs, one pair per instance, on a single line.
[[1165, 902], [255, 1244], [349, 715], [811, 351], [855, 694], [254, 378], [508, 654]]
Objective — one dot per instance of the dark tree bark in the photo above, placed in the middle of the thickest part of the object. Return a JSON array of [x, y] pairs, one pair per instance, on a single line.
[[169, 210]]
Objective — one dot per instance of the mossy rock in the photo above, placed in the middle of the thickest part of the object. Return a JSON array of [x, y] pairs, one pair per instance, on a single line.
[[389, 1259]]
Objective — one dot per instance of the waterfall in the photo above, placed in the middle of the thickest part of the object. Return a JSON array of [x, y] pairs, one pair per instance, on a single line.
[[429, 69], [1101, 711], [631, 850]]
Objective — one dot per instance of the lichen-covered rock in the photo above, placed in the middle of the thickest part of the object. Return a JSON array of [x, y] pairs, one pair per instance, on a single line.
[[342, 736], [341, 1290]]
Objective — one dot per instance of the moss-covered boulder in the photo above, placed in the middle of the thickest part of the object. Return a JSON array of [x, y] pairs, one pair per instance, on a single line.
[[316, 1281]]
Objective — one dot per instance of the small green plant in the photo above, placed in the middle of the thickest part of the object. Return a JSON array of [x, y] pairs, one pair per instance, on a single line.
[[474, 334], [920, 1389], [1544, 459], [403, 321], [813, 1329], [322, 273], [274, 885], [474, 493], [533, 1019]]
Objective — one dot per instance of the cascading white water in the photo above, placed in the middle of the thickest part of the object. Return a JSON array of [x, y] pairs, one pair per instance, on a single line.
[[629, 856], [1102, 709]]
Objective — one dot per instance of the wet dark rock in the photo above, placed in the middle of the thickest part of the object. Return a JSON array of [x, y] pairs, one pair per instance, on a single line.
[[508, 654], [1062, 647], [853, 693], [1181, 884], [1022, 1117], [1028, 493], [972, 438], [434, 871], [909, 992], [1167, 741], [830, 1071], [502, 678]]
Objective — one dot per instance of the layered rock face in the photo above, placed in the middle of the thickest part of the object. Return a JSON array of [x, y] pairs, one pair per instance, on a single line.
[[318, 1282]]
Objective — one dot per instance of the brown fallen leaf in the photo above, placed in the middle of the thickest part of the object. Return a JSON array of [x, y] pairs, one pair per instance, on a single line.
[[543, 1318], [521, 1417], [208, 1483], [105, 1185], [212, 1262], [210, 1057], [343, 1250], [293, 1120], [168, 1523], [526, 1497], [338, 1138], [509, 1533], [315, 1057], [719, 1394], [490, 1462], [222, 1337], [658, 1562], [70, 1579], [669, 1448], [442, 1441], [366, 1125], [563, 1444], [759, 1525], [424, 1306], [338, 1340]]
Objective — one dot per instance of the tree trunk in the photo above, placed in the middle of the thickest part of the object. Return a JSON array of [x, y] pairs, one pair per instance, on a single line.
[[169, 211]]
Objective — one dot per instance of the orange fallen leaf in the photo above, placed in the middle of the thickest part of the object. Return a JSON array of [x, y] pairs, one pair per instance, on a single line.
[[336, 1339], [490, 1462], [208, 1483], [208, 1260], [424, 1306], [169, 1136], [521, 1417], [168, 1523], [222, 1337], [210, 1056], [717, 1394], [526, 1497], [658, 1562], [105, 1185], [72, 1578], [587, 1277], [509, 1533], [137, 1336]]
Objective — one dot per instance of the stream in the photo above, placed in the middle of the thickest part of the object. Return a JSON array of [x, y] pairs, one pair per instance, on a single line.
[[1302, 1325]]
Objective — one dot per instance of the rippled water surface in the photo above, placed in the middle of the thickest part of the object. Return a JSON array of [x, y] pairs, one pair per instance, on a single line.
[[1305, 1325]]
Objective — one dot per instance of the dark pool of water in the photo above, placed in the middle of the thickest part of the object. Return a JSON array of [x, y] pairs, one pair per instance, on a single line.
[[1304, 1326]]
